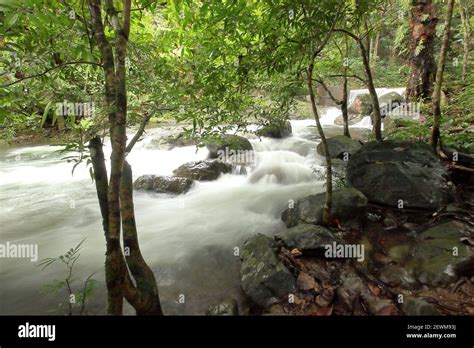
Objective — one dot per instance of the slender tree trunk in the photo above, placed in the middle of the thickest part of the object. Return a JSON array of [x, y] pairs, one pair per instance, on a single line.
[[148, 301], [376, 116], [376, 46], [344, 107], [422, 65], [328, 202], [463, 10], [439, 76]]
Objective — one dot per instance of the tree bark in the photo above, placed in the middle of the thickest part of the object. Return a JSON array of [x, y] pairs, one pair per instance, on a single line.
[[463, 10], [439, 77], [376, 116], [328, 202], [422, 65], [344, 107], [148, 301], [117, 203]]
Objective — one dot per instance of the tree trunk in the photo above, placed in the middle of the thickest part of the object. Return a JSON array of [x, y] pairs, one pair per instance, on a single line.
[[463, 10], [439, 76], [148, 301], [344, 107], [328, 203], [422, 65], [376, 116], [117, 203]]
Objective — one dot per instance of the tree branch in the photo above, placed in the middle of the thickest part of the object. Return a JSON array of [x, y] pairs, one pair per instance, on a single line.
[[47, 71]]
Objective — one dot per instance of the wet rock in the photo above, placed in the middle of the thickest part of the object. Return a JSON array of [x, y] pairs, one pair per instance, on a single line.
[[415, 306], [382, 259], [399, 252], [352, 119], [393, 276], [339, 145], [351, 287], [347, 203], [377, 305], [439, 257], [362, 105], [163, 184], [390, 101], [264, 278], [227, 143], [203, 170], [226, 308], [276, 129], [307, 237], [389, 172]]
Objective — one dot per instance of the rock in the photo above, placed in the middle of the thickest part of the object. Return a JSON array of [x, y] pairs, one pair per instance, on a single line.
[[394, 276], [415, 306], [352, 119], [307, 237], [226, 308], [217, 146], [362, 105], [390, 101], [405, 112], [276, 129], [324, 299], [392, 171], [439, 257], [338, 145], [347, 203], [163, 184], [203, 170], [351, 287], [399, 252], [377, 305], [264, 278]]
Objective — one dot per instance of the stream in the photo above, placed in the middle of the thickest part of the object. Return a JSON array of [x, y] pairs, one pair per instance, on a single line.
[[189, 241]]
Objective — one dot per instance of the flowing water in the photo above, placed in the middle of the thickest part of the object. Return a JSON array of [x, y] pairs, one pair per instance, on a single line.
[[189, 241]]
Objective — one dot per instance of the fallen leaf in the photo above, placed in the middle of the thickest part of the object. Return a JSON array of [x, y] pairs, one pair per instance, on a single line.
[[470, 310], [374, 289], [387, 310], [305, 281], [296, 252], [325, 298], [322, 312]]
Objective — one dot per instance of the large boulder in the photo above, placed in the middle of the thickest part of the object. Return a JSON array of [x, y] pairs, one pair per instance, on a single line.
[[389, 172], [163, 184], [347, 203], [390, 101], [440, 257], [338, 145], [264, 278], [227, 143], [203, 170], [276, 129], [361, 105], [307, 237]]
